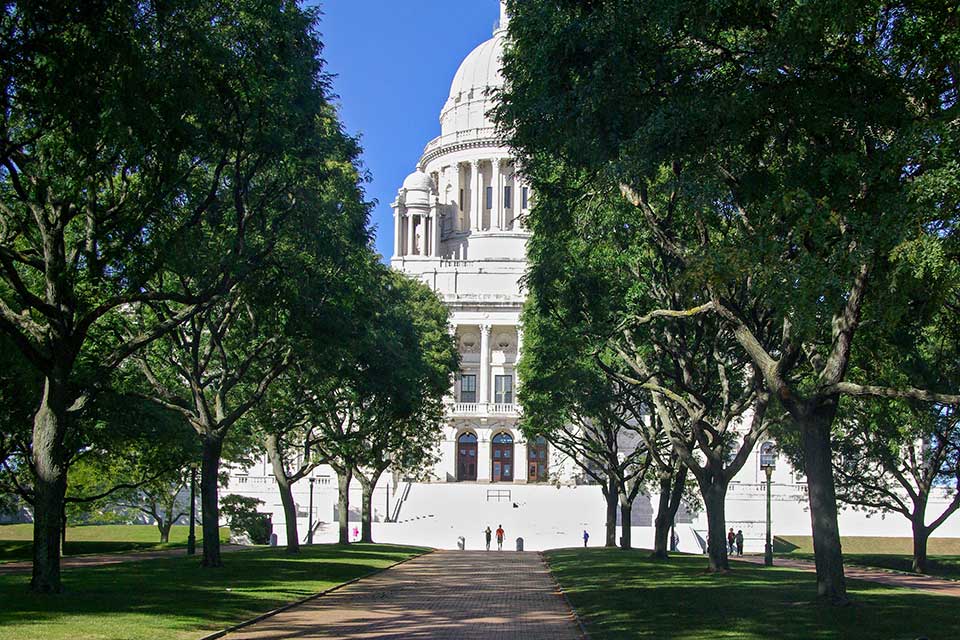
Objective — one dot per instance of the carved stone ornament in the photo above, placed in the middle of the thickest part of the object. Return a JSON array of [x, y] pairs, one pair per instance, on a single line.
[[503, 342], [469, 342]]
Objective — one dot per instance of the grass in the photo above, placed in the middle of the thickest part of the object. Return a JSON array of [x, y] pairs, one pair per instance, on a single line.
[[625, 594], [16, 540], [175, 597], [887, 553], [868, 545]]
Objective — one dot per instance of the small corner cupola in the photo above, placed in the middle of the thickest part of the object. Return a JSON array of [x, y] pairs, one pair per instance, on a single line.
[[418, 187]]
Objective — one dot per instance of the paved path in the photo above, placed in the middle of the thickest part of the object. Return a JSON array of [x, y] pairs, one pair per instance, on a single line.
[[444, 594], [891, 578], [103, 559]]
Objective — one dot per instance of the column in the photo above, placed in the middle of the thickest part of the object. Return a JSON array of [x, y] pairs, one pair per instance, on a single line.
[[435, 232], [477, 213], [456, 197], [409, 251], [397, 226], [484, 396], [452, 329], [516, 363], [498, 194]]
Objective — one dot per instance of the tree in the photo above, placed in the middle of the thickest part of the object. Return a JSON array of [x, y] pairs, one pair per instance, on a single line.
[[378, 402], [792, 152], [893, 456], [129, 140], [569, 401]]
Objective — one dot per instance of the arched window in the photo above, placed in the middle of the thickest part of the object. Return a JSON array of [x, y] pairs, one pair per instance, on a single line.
[[467, 457], [537, 460], [501, 456]]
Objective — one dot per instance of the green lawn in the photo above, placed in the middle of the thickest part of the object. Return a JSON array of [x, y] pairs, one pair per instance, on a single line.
[[622, 594], [888, 553], [16, 540], [175, 597]]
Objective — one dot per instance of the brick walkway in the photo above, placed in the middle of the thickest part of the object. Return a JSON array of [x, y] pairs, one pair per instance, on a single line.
[[890, 578], [103, 559], [445, 594]]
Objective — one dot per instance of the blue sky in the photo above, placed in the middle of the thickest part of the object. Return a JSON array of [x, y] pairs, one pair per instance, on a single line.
[[394, 61]]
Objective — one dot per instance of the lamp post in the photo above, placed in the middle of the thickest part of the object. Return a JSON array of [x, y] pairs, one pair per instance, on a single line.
[[310, 514], [768, 462], [192, 537]]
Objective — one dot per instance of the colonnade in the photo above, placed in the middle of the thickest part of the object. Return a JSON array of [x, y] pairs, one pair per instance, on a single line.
[[461, 189], [484, 391]]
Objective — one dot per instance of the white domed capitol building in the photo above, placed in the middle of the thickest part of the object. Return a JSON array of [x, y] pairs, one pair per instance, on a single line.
[[458, 226]]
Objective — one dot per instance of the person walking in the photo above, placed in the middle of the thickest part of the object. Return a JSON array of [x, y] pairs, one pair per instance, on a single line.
[[739, 540], [731, 541], [487, 533], [586, 537], [499, 537]]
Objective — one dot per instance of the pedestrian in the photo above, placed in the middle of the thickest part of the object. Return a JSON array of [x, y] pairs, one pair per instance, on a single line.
[[487, 533], [674, 541], [356, 534], [499, 537], [739, 542], [586, 537], [731, 541]]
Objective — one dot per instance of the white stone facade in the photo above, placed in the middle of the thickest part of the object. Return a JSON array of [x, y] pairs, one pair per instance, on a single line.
[[458, 226]]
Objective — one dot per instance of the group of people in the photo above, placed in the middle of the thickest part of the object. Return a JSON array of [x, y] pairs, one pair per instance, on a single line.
[[735, 542], [487, 533]]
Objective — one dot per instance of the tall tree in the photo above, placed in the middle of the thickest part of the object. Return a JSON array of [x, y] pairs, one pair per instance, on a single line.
[[806, 145], [129, 137]]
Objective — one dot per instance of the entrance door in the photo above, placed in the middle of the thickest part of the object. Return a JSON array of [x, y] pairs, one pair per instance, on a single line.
[[537, 460], [502, 457], [466, 457]]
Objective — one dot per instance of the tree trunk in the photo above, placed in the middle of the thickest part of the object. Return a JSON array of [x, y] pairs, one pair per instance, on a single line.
[[286, 492], [663, 520], [626, 513], [164, 527], [920, 535], [366, 527], [343, 503], [50, 484], [817, 455], [209, 499], [612, 501], [714, 499]]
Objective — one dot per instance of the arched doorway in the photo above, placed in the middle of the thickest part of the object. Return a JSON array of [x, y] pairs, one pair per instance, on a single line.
[[466, 457], [502, 457], [537, 461]]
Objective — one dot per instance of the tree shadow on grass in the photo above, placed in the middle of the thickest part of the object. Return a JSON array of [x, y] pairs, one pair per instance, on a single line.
[[624, 595], [181, 594]]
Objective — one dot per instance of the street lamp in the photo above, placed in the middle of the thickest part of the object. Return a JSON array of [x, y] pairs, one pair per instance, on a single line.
[[310, 515], [192, 537], [768, 462]]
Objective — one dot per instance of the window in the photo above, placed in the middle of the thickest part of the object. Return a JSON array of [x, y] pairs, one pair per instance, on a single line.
[[523, 197], [503, 390], [461, 199], [468, 388], [507, 197], [489, 198]]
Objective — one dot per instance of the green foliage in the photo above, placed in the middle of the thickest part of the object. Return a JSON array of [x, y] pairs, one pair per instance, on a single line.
[[241, 512]]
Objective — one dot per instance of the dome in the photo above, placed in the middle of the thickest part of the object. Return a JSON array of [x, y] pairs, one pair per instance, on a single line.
[[478, 76], [418, 181], [479, 70], [418, 187]]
